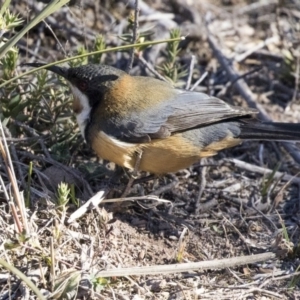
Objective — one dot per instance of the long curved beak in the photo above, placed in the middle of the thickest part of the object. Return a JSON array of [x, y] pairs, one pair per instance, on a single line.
[[62, 71]]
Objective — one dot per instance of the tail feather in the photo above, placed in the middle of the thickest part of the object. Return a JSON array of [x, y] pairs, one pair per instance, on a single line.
[[270, 131]]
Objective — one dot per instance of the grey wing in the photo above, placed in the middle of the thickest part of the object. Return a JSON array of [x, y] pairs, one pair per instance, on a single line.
[[193, 109], [186, 110]]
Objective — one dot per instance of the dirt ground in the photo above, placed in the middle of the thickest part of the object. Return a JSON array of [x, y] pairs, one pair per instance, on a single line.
[[226, 206]]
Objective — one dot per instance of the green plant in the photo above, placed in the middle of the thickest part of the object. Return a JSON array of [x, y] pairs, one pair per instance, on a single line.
[[170, 68], [63, 195], [37, 104], [99, 45], [268, 184]]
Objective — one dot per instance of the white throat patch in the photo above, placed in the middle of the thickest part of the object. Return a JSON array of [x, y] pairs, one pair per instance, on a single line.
[[84, 115]]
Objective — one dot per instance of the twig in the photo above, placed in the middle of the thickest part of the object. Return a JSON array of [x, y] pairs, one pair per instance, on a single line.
[[297, 77], [191, 69], [165, 188], [86, 257], [201, 189], [279, 195], [254, 7], [19, 140], [205, 206], [235, 276], [188, 267], [56, 38], [181, 244], [147, 197], [52, 253], [151, 69], [15, 157], [266, 217], [144, 179], [239, 58], [267, 281], [204, 75], [90, 204], [4, 151], [134, 35], [232, 83], [15, 216], [263, 171], [247, 241], [258, 290], [2, 184], [34, 134]]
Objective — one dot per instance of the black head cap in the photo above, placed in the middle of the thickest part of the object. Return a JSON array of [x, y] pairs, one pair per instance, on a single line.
[[91, 79]]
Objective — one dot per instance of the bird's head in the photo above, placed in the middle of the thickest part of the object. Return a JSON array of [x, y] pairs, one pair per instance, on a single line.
[[88, 84]]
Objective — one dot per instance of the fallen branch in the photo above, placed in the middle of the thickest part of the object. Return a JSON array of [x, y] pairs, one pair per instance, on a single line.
[[187, 267], [263, 171]]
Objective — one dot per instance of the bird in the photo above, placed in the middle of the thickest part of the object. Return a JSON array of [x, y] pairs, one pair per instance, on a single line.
[[145, 123]]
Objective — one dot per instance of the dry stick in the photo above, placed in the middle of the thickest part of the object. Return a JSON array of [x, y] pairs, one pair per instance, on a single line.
[[261, 291], [15, 157], [15, 216], [2, 184], [146, 197], [56, 38], [134, 35], [165, 188], [235, 276], [12, 177], [263, 171], [239, 58], [181, 244], [247, 241], [267, 281], [34, 133], [201, 189], [86, 258], [188, 267], [90, 204], [204, 75], [191, 69], [254, 7], [296, 77], [52, 251], [19, 140], [151, 69], [232, 83], [244, 90], [279, 195]]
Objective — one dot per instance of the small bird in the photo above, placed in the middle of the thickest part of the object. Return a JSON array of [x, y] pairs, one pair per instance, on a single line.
[[121, 116]]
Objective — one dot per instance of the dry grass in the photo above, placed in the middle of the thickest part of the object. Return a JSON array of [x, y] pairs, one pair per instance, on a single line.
[[242, 209]]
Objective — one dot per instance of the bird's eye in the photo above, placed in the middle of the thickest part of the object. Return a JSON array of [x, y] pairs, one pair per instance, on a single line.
[[82, 85]]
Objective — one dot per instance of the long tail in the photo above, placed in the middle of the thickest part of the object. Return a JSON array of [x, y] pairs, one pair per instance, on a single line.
[[270, 131]]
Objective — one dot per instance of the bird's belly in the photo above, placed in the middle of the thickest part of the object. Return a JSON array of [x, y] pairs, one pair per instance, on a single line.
[[169, 155], [121, 153], [159, 156], [179, 152]]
